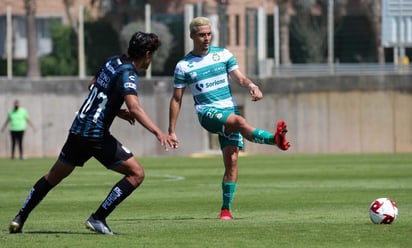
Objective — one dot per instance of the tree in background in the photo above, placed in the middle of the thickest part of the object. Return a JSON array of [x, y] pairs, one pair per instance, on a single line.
[[33, 69], [374, 12], [162, 54], [285, 9], [355, 37], [101, 42], [70, 15], [62, 61], [308, 31], [357, 26]]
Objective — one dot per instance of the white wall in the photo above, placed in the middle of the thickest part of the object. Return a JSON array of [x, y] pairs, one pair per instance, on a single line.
[[365, 114]]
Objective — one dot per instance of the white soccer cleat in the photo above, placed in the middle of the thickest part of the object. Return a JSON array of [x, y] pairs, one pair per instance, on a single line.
[[98, 226]]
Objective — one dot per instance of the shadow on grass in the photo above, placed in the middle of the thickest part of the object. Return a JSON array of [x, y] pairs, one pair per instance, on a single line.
[[172, 219], [124, 220], [57, 232]]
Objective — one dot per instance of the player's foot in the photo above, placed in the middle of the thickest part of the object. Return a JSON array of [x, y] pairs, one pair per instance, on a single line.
[[280, 135], [16, 225], [98, 226], [225, 214]]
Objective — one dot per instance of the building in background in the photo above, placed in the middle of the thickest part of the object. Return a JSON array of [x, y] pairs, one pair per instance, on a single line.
[[233, 17], [47, 12], [246, 27]]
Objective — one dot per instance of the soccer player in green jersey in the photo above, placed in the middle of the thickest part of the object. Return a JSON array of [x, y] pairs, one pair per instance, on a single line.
[[206, 71]]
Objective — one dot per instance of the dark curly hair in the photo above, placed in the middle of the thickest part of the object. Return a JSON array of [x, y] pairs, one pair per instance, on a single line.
[[142, 42]]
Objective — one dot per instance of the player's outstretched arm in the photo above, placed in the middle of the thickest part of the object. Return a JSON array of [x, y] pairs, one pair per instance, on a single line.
[[139, 114], [244, 81], [174, 110]]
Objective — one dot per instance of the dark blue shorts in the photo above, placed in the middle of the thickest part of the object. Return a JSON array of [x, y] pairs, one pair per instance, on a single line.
[[108, 151]]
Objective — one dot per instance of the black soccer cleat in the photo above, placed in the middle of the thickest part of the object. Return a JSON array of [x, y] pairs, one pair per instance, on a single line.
[[16, 225]]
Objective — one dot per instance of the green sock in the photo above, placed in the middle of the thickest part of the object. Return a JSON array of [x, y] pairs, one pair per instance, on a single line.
[[263, 137], [228, 189]]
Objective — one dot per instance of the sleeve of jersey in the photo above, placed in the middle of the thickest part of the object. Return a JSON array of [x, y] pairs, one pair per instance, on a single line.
[[179, 79], [26, 114], [231, 61], [128, 83]]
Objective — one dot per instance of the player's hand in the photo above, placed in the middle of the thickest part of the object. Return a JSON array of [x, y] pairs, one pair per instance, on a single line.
[[125, 115], [165, 141], [174, 140], [255, 93]]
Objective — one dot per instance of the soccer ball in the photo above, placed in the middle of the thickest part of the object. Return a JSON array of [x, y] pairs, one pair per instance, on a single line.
[[383, 211]]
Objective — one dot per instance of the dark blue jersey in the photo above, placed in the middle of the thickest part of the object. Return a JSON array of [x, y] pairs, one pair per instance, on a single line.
[[116, 79]]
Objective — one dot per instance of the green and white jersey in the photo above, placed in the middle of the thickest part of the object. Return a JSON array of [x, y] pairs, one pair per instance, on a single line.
[[207, 77]]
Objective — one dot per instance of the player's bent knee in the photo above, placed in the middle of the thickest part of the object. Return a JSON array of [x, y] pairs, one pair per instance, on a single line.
[[240, 122], [236, 123], [136, 178], [138, 174]]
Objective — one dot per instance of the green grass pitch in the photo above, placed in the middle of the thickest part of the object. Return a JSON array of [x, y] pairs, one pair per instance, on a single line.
[[281, 201]]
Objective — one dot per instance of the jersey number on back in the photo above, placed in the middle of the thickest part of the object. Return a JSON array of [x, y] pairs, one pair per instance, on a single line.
[[86, 108]]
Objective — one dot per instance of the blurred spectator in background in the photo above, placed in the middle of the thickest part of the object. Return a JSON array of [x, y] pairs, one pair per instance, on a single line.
[[18, 118]]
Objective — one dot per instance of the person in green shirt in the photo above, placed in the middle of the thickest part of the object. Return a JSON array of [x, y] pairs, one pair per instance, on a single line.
[[18, 118]]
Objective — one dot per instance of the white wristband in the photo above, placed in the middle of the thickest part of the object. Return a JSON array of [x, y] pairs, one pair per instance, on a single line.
[[252, 85]]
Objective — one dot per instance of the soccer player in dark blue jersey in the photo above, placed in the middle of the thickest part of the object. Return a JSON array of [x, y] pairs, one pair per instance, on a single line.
[[89, 136]]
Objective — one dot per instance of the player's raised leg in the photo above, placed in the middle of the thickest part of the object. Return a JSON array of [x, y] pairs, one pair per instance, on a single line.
[[257, 135]]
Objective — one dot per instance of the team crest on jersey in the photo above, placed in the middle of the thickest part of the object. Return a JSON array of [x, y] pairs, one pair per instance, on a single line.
[[219, 116], [193, 75], [215, 57], [130, 85]]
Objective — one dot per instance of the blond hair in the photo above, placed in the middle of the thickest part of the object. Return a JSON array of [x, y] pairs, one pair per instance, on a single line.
[[197, 22]]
